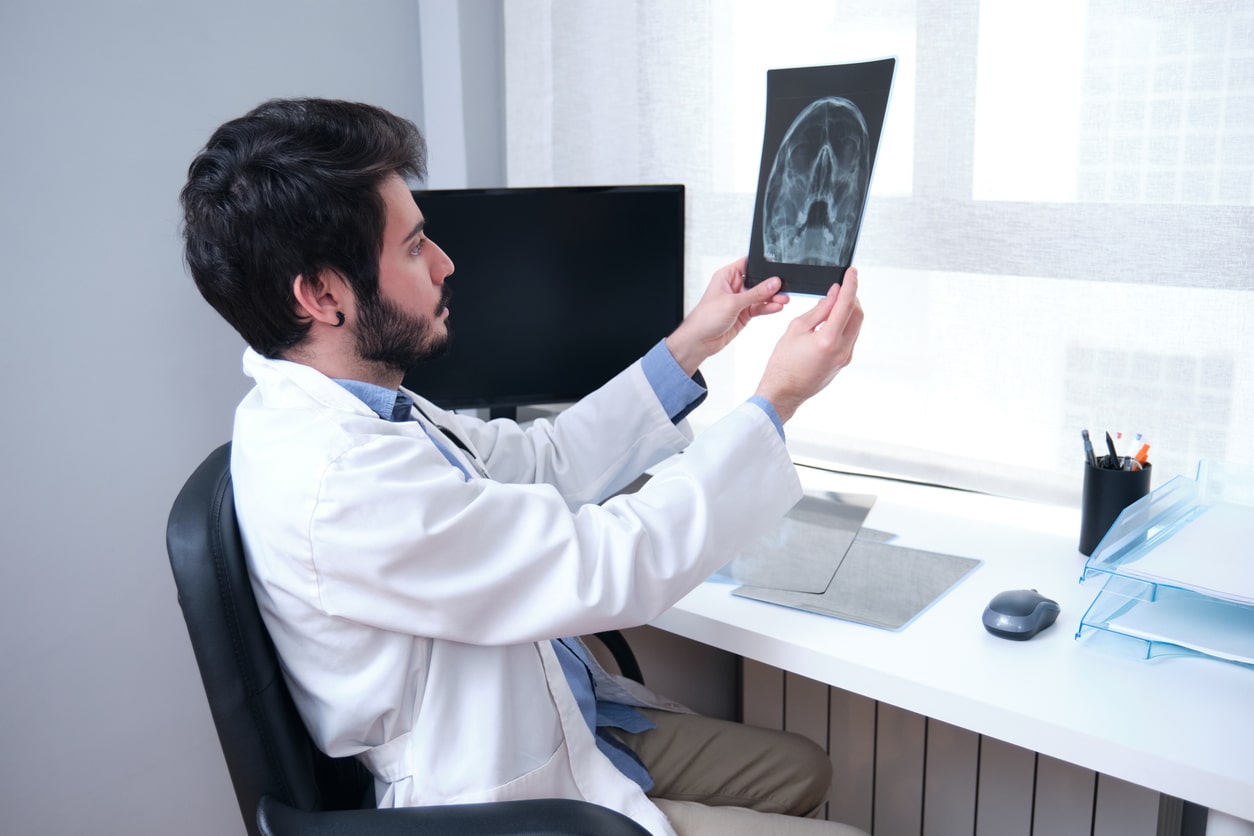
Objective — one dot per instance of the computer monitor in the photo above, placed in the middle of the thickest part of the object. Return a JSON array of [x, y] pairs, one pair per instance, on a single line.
[[555, 290]]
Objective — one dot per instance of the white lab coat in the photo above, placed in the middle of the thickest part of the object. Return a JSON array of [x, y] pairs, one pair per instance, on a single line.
[[411, 608]]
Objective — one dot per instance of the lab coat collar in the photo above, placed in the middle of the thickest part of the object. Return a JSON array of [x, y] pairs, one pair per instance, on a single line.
[[280, 381]]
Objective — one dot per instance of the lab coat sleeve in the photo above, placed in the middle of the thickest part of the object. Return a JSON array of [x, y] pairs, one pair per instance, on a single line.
[[403, 545], [590, 450]]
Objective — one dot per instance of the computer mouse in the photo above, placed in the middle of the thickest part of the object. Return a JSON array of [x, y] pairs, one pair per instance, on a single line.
[[1019, 614]]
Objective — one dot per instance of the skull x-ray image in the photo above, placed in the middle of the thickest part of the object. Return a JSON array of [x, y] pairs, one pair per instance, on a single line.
[[823, 127], [816, 186]]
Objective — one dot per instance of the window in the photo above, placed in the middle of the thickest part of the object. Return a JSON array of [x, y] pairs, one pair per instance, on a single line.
[[1060, 233]]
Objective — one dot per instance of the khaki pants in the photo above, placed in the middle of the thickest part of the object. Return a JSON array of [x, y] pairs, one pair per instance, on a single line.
[[718, 778]]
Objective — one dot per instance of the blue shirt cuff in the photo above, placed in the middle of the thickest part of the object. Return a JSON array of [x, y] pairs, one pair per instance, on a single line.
[[678, 393], [770, 413]]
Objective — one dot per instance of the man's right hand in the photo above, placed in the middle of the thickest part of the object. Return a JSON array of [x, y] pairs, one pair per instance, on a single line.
[[816, 346]]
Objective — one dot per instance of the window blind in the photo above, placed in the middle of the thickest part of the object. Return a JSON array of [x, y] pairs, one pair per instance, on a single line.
[[1059, 235]]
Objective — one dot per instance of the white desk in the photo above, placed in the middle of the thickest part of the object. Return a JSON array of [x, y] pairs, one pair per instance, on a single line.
[[1176, 725]]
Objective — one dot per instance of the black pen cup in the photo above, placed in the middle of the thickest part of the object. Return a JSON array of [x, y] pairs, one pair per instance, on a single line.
[[1107, 491]]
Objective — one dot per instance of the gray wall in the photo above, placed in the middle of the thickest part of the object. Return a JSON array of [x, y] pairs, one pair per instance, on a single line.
[[118, 378]]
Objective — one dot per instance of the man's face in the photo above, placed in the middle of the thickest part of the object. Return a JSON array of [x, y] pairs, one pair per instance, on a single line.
[[407, 322]]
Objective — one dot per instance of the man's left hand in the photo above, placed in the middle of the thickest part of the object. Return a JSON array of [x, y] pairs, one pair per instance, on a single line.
[[723, 311]]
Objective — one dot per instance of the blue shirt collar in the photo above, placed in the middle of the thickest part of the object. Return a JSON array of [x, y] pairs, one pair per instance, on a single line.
[[388, 404]]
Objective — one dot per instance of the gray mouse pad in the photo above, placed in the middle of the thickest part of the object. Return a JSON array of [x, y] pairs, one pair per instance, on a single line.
[[804, 551], [878, 584]]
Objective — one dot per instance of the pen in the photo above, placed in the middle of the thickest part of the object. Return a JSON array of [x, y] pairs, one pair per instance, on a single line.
[[1113, 461], [1088, 448]]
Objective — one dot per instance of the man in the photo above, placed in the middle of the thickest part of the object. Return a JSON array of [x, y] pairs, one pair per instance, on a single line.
[[418, 569]]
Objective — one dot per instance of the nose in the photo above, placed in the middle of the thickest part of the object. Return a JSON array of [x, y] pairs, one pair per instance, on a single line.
[[441, 265]]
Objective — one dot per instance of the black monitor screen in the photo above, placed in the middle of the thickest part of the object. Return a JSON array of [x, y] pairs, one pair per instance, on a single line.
[[555, 290]]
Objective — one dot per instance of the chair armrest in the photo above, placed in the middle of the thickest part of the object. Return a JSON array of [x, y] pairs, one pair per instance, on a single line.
[[533, 817]]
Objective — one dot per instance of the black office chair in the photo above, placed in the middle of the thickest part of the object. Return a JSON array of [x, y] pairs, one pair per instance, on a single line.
[[283, 783]]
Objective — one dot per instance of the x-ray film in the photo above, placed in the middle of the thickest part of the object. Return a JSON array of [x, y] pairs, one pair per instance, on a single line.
[[823, 127]]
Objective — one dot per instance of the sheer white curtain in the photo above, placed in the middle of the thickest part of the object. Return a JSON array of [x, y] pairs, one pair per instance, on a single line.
[[1060, 233]]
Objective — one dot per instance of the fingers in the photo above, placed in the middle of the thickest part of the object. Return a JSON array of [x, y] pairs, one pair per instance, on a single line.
[[846, 301], [817, 315], [841, 328], [836, 307], [733, 274], [771, 306], [764, 292]]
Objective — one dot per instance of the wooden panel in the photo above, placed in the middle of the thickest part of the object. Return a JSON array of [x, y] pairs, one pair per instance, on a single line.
[[805, 712], [950, 778], [762, 695], [900, 741], [895, 772], [805, 708], [1064, 798], [1004, 800], [1171, 816], [851, 745], [1125, 809]]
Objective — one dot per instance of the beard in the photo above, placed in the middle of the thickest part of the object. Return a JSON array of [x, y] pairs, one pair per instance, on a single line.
[[392, 338]]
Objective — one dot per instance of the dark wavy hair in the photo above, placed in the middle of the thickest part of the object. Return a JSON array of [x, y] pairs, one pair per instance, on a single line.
[[291, 188]]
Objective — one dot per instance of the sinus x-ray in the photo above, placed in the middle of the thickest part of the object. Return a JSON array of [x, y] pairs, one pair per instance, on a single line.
[[823, 127]]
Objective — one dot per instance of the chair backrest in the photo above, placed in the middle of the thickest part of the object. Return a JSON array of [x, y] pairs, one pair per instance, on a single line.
[[268, 750]]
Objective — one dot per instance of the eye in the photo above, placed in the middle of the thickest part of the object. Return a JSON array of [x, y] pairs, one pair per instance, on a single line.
[[417, 248]]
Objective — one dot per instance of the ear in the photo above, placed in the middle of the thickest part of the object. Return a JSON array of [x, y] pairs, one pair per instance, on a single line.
[[320, 298]]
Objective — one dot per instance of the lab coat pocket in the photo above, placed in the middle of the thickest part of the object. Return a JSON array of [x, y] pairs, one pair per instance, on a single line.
[[389, 762]]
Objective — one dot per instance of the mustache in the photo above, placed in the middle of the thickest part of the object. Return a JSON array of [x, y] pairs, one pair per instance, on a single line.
[[446, 294]]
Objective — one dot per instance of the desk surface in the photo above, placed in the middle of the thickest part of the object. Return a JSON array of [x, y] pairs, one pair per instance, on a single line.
[[1178, 725]]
